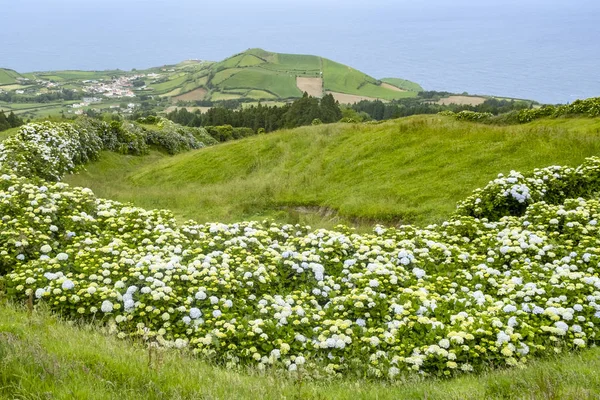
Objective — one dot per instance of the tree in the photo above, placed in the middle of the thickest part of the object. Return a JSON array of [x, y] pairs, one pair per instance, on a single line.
[[330, 109], [4, 125]]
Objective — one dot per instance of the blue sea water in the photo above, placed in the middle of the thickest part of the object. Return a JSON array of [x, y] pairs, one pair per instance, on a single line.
[[544, 50]]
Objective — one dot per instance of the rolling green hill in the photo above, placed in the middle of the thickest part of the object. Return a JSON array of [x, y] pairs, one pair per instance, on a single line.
[[408, 170], [250, 76], [277, 74], [8, 77]]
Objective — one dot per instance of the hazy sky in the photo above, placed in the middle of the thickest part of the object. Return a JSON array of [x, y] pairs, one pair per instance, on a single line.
[[420, 40]]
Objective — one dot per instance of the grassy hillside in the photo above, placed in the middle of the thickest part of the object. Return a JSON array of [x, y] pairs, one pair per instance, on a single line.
[[408, 170], [42, 355], [8, 76], [344, 79], [276, 73], [403, 84]]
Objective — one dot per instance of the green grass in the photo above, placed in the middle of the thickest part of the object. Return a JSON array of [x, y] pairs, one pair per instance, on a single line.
[[174, 82], [276, 73], [412, 170], [298, 62], [218, 96], [7, 133], [259, 73], [282, 85], [76, 75], [260, 94], [249, 60], [403, 84], [223, 75], [43, 357], [344, 79], [8, 76]]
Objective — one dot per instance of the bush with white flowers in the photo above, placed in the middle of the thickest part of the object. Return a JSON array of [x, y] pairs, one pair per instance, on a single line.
[[460, 296]]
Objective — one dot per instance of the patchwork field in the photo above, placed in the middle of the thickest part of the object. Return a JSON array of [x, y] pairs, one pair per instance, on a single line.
[[312, 86], [196, 94], [462, 100], [392, 87], [345, 98]]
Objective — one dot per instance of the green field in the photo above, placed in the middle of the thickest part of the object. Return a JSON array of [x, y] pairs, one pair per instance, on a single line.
[[43, 357], [282, 85], [255, 74], [173, 83], [403, 84], [275, 73], [412, 170], [344, 79], [8, 76], [76, 75]]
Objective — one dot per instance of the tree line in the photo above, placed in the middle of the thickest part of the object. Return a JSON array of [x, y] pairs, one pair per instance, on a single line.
[[304, 111], [379, 110], [64, 94], [10, 121]]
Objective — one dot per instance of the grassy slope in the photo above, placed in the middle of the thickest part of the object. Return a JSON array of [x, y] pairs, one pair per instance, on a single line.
[[43, 357], [408, 170], [8, 76], [344, 79], [269, 74], [282, 85], [403, 84], [276, 73]]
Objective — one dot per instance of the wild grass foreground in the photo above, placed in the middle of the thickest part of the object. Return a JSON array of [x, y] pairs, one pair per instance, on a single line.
[[42, 354], [512, 276]]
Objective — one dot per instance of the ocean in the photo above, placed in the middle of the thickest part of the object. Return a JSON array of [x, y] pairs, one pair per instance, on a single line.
[[543, 50]]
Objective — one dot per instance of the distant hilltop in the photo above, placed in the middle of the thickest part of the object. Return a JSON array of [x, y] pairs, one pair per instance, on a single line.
[[254, 74]]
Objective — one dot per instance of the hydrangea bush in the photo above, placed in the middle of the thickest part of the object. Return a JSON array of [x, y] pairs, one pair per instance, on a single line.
[[588, 107], [175, 138], [467, 115], [512, 194], [466, 294]]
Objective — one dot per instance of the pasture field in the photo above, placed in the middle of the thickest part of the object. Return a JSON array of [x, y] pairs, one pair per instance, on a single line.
[[283, 85], [173, 83], [196, 94], [462, 100], [8, 76], [344, 79], [403, 84]]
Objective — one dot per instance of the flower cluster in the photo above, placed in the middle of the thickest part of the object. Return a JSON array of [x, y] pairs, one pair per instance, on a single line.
[[48, 150], [511, 195], [459, 296], [175, 138], [467, 115]]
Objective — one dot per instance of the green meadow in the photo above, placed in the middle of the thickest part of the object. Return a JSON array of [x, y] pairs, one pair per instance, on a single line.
[[411, 170]]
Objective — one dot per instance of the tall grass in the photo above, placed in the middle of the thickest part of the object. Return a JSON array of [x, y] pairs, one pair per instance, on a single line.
[[412, 170], [43, 357]]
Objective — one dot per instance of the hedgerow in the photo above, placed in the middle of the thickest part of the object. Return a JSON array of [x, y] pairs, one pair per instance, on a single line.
[[588, 107]]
